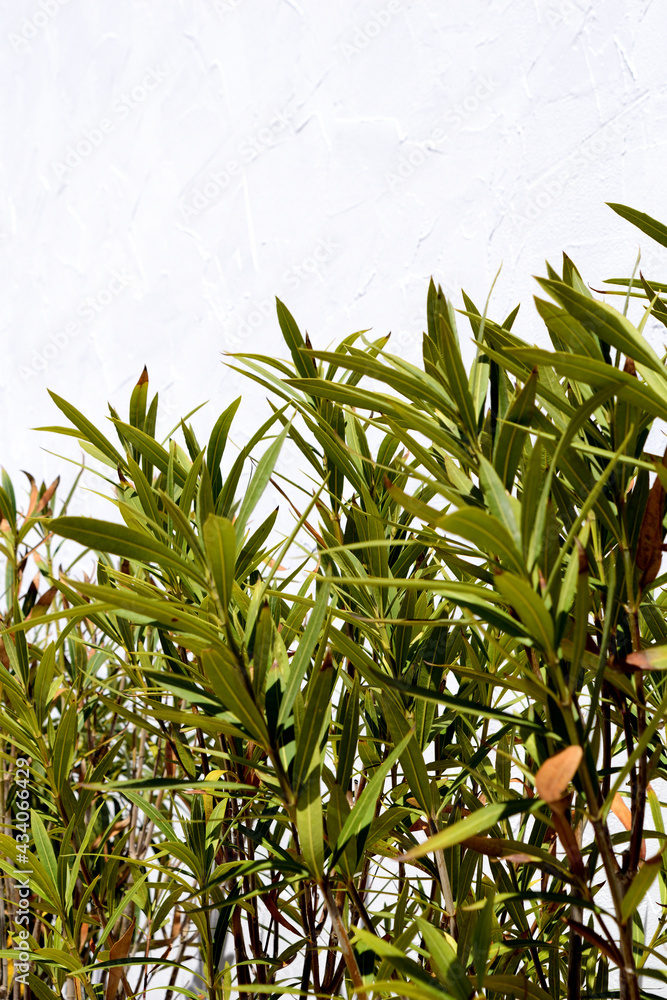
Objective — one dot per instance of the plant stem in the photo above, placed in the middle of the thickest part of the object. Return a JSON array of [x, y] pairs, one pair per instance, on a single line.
[[341, 934]]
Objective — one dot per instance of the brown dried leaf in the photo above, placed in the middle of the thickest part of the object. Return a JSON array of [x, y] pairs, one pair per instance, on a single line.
[[492, 847], [648, 556], [623, 814], [33, 493], [43, 603], [651, 658], [555, 775], [143, 378], [47, 495], [118, 950]]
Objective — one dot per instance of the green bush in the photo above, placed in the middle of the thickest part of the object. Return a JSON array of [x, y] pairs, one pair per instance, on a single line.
[[415, 763]]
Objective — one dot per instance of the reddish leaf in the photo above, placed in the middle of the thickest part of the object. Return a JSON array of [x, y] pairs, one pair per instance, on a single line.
[[47, 496], [33, 493], [551, 782], [555, 775], [118, 950], [606, 947], [623, 814], [648, 556]]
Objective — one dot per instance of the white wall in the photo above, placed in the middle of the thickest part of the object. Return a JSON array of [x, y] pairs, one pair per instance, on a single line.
[[359, 147]]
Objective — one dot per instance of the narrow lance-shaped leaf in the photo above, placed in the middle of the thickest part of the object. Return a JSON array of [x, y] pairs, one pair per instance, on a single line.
[[220, 545], [138, 401], [317, 708], [88, 430], [648, 556], [119, 540], [457, 378], [412, 760], [478, 822], [511, 439], [259, 481], [305, 649], [218, 441], [361, 816], [228, 683], [656, 230], [530, 609]]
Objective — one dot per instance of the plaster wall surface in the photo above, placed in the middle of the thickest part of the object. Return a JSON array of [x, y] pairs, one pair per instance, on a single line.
[[168, 168]]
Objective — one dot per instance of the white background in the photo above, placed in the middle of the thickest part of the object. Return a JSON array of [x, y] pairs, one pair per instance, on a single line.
[[169, 167]]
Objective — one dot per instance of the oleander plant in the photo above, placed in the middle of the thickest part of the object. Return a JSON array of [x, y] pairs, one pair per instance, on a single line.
[[413, 748]]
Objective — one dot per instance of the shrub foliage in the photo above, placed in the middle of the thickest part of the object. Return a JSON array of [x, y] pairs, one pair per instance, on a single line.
[[414, 749]]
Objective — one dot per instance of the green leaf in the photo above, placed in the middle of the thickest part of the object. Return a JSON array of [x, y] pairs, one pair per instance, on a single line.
[[414, 991], [656, 230], [40, 990], [478, 822], [411, 759], [217, 442], [481, 940], [513, 432], [43, 846], [446, 962], [43, 678], [361, 816], [515, 986], [638, 888], [220, 546], [128, 543], [88, 430], [150, 450], [227, 681], [606, 322], [347, 745], [486, 533], [259, 481], [317, 709], [498, 500], [301, 659], [262, 648], [64, 747], [530, 609], [138, 401], [309, 819], [294, 340], [457, 377]]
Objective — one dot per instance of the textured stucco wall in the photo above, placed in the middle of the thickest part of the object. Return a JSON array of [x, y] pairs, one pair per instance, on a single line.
[[168, 167]]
